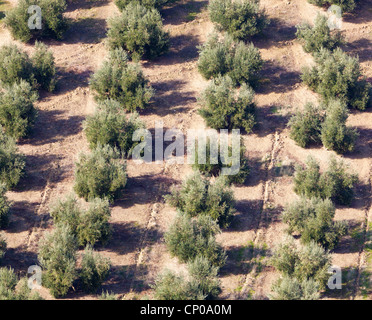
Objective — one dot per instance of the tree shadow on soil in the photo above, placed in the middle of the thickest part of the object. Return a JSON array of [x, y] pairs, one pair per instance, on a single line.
[[276, 34], [183, 48], [85, 4], [242, 259], [145, 189], [271, 119], [361, 48], [19, 259], [170, 98], [276, 78], [52, 126], [182, 11], [361, 14], [41, 170]]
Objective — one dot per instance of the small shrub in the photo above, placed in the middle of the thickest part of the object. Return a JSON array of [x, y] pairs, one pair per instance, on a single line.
[[241, 19], [122, 81], [94, 224], [15, 65], [11, 288], [310, 261], [53, 23], [186, 239], [139, 31], [305, 126], [205, 275], [149, 4], [288, 288], [319, 36], [12, 163], [89, 226], [313, 219], [2, 247], [224, 107], [335, 135], [67, 213], [4, 211], [17, 112], [169, 286], [336, 76], [94, 270], [57, 256], [44, 67], [241, 62], [336, 183], [100, 174], [198, 196], [110, 125]]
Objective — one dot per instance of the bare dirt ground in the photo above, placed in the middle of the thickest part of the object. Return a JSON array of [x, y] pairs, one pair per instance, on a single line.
[[139, 220]]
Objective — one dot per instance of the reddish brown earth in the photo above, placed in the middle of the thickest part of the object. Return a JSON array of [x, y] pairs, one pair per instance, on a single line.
[[139, 220]]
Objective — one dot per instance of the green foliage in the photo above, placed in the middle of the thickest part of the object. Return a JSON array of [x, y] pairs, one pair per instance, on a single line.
[[198, 196], [345, 5], [17, 112], [110, 125], [169, 286], [13, 289], [2, 246], [310, 261], [335, 135], [4, 211], [12, 163], [241, 62], [57, 257], [319, 36], [305, 126], [15, 65], [241, 19], [44, 67], [89, 226], [100, 174], [313, 219], [187, 238], [205, 275], [337, 76], [53, 22], [336, 183], [139, 31], [202, 282], [224, 107], [122, 81], [149, 4], [94, 223], [215, 169], [94, 270], [288, 288]]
